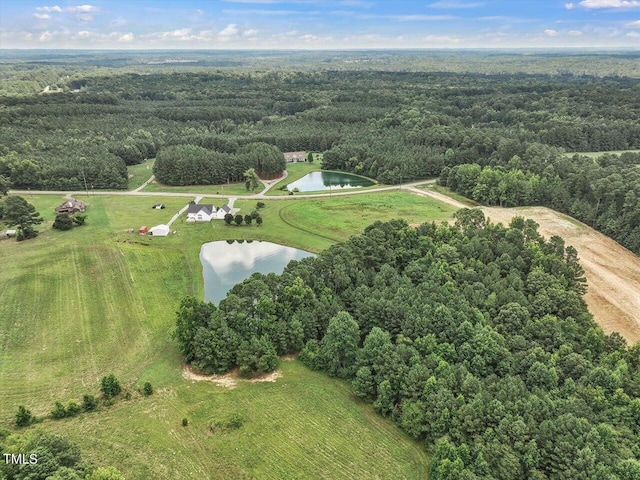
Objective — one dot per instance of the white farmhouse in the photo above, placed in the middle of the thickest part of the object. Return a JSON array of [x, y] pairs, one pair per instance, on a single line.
[[200, 212]]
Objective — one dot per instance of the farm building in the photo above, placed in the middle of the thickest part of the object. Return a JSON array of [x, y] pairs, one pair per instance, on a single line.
[[143, 230], [200, 213], [159, 231], [70, 206], [292, 157]]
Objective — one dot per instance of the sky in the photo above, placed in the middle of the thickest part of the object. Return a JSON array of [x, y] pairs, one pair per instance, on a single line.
[[319, 24]]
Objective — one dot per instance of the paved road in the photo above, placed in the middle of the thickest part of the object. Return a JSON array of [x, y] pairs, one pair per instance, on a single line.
[[260, 196]]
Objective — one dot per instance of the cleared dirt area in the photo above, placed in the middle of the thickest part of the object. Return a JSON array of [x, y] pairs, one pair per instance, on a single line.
[[229, 380], [612, 271]]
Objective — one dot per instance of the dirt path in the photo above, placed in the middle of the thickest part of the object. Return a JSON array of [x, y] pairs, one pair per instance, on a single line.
[[612, 271]]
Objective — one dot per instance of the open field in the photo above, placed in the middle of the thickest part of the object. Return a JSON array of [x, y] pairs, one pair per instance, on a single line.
[[304, 425], [138, 174], [341, 217], [80, 304], [224, 189], [612, 271]]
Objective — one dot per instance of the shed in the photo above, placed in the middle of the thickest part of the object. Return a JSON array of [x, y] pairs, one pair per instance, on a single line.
[[11, 233], [159, 231], [143, 230]]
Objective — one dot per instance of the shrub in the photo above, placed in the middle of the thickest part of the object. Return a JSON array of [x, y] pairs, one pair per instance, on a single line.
[[185, 422], [260, 205], [58, 411], [73, 409], [110, 386], [63, 222], [147, 389], [89, 403], [23, 417]]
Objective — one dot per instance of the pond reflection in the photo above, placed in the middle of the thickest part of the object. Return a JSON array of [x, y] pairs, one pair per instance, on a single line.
[[226, 263]]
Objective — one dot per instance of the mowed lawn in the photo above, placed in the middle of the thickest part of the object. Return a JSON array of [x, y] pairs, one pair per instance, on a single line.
[[140, 173], [304, 425], [339, 218], [95, 300]]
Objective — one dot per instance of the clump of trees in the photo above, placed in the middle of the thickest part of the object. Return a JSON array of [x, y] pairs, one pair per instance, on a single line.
[[17, 212], [195, 165], [64, 221], [474, 338], [50, 457]]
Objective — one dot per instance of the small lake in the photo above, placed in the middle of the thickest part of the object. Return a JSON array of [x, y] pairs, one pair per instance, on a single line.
[[317, 181], [226, 263]]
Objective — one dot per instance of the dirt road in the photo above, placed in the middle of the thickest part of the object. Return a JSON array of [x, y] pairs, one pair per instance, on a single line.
[[612, 271]]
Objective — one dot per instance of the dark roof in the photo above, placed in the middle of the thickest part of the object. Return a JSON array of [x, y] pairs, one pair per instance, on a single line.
[[226, 208], [71, 206], [195, 208]]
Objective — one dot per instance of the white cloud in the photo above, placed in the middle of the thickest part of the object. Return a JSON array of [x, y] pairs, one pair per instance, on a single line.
[[551, 33], [442, 39], [574, 33], [230, 30], [309, 37], [569, 5], [44, 36], [610, 3], [633, 35], [635, 24], [83, 9], [455, 4], [42, 16], [252, 32], [49, 9], [126, 38]]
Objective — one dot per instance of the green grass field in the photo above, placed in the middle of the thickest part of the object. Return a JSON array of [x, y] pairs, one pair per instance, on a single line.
[[80, 304], [224, 189], [338, 218], [304, 425], [138, 174]]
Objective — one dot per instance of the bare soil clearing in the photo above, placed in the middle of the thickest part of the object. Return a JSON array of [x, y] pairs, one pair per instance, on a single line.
[[228, 380], [612, 271]]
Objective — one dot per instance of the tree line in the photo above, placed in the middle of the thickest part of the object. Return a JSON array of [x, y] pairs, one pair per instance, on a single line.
[[603, 192], [474, 338]]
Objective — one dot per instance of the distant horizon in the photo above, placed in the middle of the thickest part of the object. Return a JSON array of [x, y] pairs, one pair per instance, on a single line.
[[319, 24], [319, 50]]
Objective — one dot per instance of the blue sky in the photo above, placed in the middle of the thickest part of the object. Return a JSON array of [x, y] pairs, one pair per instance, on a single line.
[[319, 24]]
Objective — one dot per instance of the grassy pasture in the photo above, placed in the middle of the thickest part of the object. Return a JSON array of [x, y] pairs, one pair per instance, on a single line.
[[305, 425], [338, 218], [140, 173], [224, 189], [80, 304]]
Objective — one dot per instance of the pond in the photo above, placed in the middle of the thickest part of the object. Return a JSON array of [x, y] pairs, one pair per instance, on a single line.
[[228, 262], [317, 181]]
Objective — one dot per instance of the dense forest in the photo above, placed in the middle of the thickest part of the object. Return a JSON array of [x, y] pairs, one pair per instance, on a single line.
[[473, 337], [387, 125]]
